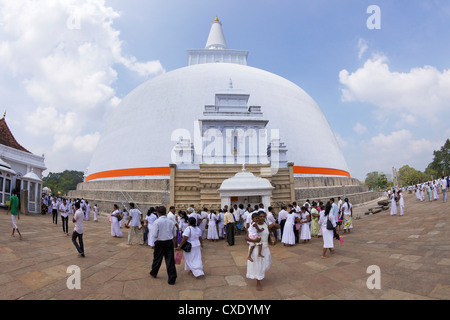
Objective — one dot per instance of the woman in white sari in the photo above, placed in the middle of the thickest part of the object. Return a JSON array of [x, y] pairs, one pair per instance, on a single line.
[[212, 229], [394, 204], [288, 238], [257, 269], [115, 223], [193, 259], [327, 235], [401, 202]]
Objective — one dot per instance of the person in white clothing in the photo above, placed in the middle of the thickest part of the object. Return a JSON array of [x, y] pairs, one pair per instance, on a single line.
[[54, 211], [221, 224], [212, 229], [193, 259], [282, 216], [152, 216], [78, 231], [327, 234], [64, 211], [393, 204], [288, 238], [115, 223], [435, 191], [257, 269], [305, 229], [444, 189], [204, 215], [88, 210], [401, 202], [253, 234], [347, 211], [135, 222], [95, 213]]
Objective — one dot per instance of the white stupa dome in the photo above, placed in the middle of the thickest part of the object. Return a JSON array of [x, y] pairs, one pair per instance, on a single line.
[[137, 140]]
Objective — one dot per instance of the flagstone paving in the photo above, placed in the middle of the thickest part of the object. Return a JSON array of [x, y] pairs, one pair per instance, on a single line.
[[412, 252]]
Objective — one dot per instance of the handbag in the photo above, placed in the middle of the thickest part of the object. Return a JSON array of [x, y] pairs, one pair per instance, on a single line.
[[178, 257], [329, 224], [186, 247]]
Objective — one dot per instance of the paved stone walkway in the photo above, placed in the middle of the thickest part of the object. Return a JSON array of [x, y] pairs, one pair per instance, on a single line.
[[413, 253]]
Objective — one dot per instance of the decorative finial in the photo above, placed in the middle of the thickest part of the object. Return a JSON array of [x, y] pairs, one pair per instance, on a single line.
[[4, 115], [216, 19]]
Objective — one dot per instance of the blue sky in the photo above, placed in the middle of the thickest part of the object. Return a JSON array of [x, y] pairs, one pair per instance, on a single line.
[[384, 92]]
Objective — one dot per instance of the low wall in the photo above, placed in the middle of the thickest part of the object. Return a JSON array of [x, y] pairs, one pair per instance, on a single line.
[[313, 182], [153, 192]]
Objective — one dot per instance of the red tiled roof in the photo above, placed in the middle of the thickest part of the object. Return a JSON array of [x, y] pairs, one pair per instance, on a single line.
[[7, 138]]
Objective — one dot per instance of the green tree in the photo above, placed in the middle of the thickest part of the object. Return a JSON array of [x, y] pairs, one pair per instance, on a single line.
[[376, 180], [63, 181], [409, 176], [441, 162]]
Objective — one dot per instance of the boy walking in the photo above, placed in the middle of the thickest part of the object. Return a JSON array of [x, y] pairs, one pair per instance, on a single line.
[[15, 215]]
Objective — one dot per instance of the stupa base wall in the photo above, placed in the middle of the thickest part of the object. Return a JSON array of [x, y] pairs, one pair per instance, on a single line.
[[189, 185]]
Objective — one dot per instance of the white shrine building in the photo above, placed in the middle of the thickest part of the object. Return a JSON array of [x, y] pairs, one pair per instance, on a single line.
[[21, 170]]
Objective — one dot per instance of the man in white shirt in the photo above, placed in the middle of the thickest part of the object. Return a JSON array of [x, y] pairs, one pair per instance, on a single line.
[[78, 231], [134, 222], [165, 234], [335, 211], [172, 216], [64, 211], [339, 204]]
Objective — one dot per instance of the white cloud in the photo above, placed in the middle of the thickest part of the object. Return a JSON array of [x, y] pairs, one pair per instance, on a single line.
[[422, 94], [57, 66], [398, 148], [362, 47], [359, 128]]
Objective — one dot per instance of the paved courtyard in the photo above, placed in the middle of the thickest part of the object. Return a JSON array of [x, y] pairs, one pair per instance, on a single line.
[[412, 252]]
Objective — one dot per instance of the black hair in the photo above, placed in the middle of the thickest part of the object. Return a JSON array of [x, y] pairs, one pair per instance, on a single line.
[[162, 210], [327, 208], [192, 222]]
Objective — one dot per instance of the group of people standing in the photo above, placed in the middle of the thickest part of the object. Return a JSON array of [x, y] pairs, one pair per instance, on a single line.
[[315, 220], [431, 189]]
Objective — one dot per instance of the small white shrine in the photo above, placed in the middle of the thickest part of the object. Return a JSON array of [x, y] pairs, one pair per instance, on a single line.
[[246, 188]]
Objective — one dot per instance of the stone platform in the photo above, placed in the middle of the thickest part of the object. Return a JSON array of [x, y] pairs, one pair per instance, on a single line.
[[413, 253]]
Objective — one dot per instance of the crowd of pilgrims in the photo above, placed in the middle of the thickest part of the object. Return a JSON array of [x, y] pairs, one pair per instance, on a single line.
[[296, 224], [432, 188], [429, 190], [59, 206]]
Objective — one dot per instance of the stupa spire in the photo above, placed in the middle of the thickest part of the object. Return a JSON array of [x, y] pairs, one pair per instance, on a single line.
[[216, 38]]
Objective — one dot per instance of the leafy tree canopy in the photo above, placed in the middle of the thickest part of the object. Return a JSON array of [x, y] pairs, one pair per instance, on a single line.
[[63, 181]]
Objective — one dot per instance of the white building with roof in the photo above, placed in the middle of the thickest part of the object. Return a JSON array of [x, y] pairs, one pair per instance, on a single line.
[[19, 169]]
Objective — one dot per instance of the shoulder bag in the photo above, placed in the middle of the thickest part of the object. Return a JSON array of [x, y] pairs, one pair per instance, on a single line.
[[187, 246]]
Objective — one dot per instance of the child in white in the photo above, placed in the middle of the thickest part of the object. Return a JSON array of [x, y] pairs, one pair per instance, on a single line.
[[253, 234]]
